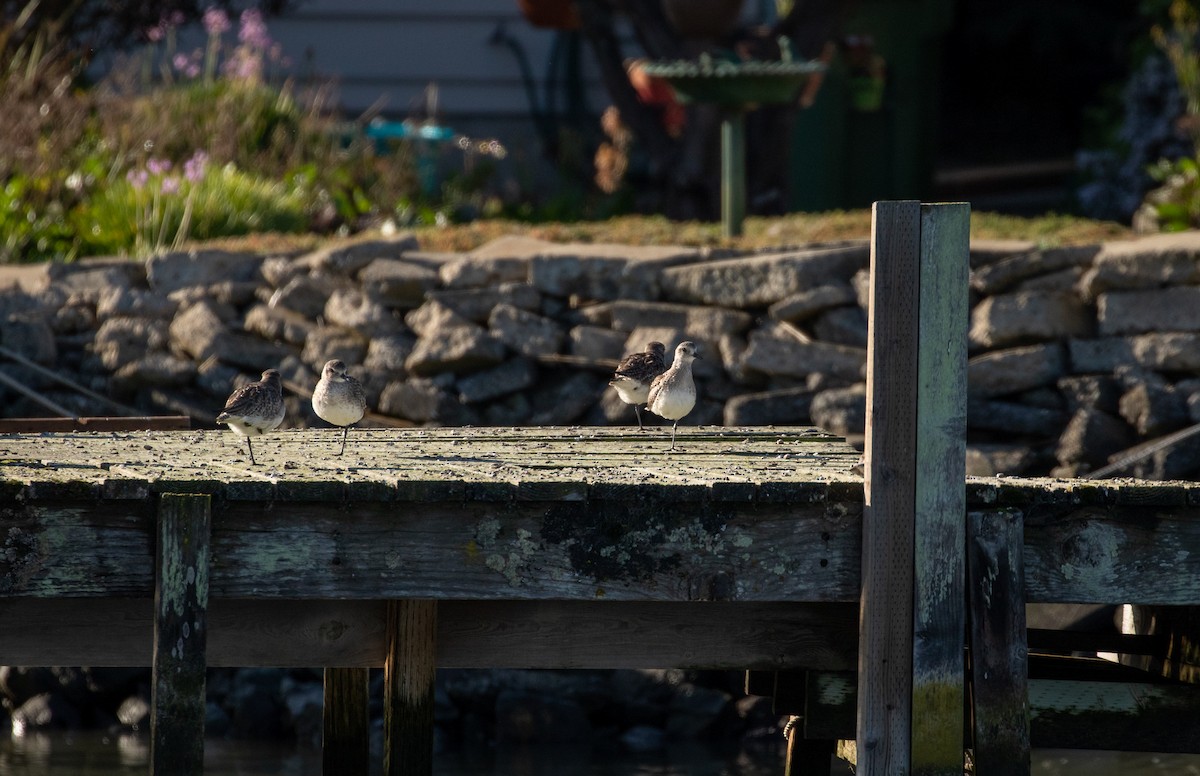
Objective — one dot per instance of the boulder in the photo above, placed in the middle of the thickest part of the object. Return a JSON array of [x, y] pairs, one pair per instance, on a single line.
[[1149, 262], [396, 283], [773, 352], [788, 406], [457, 349], [1002, 275], [509, 377], [1091, 436], [597, 343], [841, 411], [842, 326], [361, 312], [1027, 316], [476, 304], [348, 259], [1153, 410], [813, 301], [760, 281], [1121, 313], [1014, 370], [305, 295], [706, 323], [180, 269], [524, 332], [278, 324]]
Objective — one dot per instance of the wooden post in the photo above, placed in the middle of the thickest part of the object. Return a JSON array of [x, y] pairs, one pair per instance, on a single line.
[[346, 741], [910, 671], [180, 634], [999, 652], [409, 672], [885, 605], [939, 624]]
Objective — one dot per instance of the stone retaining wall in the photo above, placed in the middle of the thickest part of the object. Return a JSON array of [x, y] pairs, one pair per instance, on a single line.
[[1077, 353]]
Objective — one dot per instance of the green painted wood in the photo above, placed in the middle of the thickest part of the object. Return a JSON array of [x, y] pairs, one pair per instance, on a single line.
[[346, 739], [885, 639], [999, 652], [940, 493], [409, 674], [180, 634]]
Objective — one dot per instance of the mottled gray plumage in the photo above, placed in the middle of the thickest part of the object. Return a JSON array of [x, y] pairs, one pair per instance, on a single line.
[[673, 393], [255, 408], [634, 374], [339, 398]]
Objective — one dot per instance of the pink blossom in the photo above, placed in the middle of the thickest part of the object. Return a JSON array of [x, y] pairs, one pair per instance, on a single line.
[[193, 168], [216, 21], [253, 30], [137, 178], [170, 185], [158, 166]]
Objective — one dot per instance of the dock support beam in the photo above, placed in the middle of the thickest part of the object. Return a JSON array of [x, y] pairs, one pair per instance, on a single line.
[[410, 668], [911, 634], [180, 634], [346, 737]]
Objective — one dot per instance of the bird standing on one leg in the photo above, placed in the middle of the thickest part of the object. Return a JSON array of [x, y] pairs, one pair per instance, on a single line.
[[339, 398], [673, 393], [634, 374], [255, 408]]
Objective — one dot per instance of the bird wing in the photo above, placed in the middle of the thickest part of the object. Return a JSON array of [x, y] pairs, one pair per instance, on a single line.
[[241, 400]]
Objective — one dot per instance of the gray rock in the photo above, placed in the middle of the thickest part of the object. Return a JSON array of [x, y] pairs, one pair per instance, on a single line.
[[1137, 312], [1148, 262], [278, 324], [194, 330], [172, 271], [989, 251], [396, 283], [1180, 461], [1091, 436], [154, 370], [760, 281], [644, 738], [842, 326], [386, 355], [597, 343], [73, 317], [1002, 275], [526, 718], [601, 271], [248, 351], [30, 336], [433, 316], [425, 401], [509, 377], [563, 402], [1023, 317], [1014, 370], [216, 379], [134, 302], [476, 304], [813, 301], [774, 353], [512, 410], [349, 258], [995, 459], [1013, 418], [457, 349], [89, 278], [841, 411], [783, 407], [481, 271], [1163, 352], [1100, 392], [1065, 281], [279, 270], [525, 332], [861, 283], [305, 295], [360, 312], [706, 323], [326, 342], [1153, 410]]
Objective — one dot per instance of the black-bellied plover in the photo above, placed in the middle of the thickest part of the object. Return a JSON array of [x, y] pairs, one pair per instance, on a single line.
[[255, 408], [635, 373], [673, 393], [339, 398]]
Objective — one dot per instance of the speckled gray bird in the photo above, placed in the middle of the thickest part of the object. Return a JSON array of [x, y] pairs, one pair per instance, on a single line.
[[634, 374], [339, 398], [673, 393], [255, 408]]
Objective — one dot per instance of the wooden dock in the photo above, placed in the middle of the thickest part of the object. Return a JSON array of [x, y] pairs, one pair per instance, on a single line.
[[887, 607]]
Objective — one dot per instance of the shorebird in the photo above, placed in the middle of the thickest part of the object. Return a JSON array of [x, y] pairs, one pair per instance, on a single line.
[[673, 393], [255, 408], [339, 398], [634, 374]]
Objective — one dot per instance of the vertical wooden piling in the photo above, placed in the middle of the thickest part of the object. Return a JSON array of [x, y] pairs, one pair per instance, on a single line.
[[180, 634], [346, 740], [409, 673], [910, 708], [885, 625], [939, 623], [999, 649]]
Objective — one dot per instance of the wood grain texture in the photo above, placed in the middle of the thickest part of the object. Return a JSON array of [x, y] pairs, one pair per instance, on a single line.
[[346, 721], [940, 493], [409, 674], [180, 633], [999, 652], [885, 639]]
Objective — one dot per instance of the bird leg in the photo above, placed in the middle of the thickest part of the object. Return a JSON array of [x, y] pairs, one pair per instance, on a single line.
[[345, 431], [250, 447], [674, 426], [638, 411]]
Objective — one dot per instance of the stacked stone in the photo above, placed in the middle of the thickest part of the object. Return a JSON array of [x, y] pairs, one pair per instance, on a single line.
[[1078, 354]]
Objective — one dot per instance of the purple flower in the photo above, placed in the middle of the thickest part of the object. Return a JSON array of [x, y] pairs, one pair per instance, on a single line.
[[156, 33], [137, 178], [193, 168], [253, 31], [216, 22], [170, 185], [158, 166], [188, 64]]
